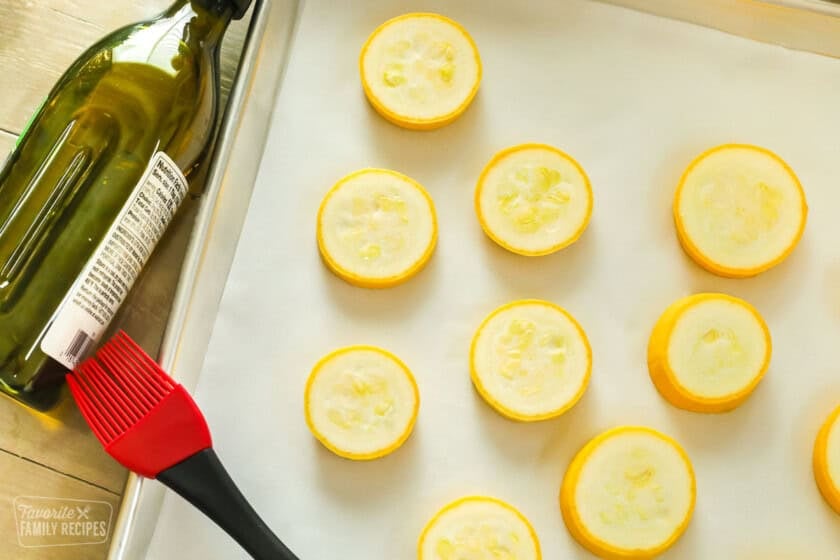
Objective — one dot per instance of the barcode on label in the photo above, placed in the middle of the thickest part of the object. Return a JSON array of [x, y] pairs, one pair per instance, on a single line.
[[106, 279], [78, 346]]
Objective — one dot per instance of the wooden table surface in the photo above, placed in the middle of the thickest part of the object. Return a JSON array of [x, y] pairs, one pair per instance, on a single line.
[[54, 454]]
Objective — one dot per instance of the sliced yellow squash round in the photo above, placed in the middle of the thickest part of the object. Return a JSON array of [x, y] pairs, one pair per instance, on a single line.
[[827, 460], [361, 402], [533, 199], [376, 228], [739, 210], [708, 352], [530, 360], [478, 528], [628, 494], [420, 71]]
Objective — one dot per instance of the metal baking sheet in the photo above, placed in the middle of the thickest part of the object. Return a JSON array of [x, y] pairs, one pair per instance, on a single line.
[[209, 238], [634, 97]]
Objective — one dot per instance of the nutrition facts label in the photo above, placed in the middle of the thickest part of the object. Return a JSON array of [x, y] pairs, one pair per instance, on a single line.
[[112, 270]]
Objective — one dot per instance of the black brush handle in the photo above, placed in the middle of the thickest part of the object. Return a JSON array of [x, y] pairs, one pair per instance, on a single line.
[[204, 482]]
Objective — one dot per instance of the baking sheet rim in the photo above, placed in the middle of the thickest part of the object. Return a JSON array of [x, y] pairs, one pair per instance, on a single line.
[[134, 528]]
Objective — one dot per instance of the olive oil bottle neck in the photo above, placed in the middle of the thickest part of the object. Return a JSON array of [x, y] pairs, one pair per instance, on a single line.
[[206, 20], [238, 8]]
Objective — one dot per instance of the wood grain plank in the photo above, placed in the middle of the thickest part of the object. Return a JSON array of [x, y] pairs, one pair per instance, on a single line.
[[7, 142], [38, 40], [22, 478], [60, 440], [37, 44]]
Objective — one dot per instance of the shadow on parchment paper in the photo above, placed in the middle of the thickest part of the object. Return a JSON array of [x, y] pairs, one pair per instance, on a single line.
[[751, 425], [552, 442], [831, 287], [547, 276], [818, 405], [771, 291], [778, 546], [807, 425], [413, 151], [366, 484], [570, 433], [384, 304], [812, 414], [660, 189]]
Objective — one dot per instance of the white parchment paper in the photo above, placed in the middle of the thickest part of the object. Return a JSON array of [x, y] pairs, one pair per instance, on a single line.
[[634, 98]]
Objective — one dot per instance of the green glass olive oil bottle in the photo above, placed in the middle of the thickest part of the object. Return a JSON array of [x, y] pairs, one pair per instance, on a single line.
[[93, 182]]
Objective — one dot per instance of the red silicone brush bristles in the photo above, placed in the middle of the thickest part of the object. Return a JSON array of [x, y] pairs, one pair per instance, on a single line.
[[119, 387], [142, 417]]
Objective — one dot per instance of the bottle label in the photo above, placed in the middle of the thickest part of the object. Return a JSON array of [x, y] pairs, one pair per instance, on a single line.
[[105, 281]]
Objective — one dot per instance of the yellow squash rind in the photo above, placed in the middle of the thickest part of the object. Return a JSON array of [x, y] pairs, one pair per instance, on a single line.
[[469, 499], [408, 121], [572, 518], [829, 488], [499, 239], [357, 279], [513, 414], [333, 446], [665, 379], [706, 262]]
